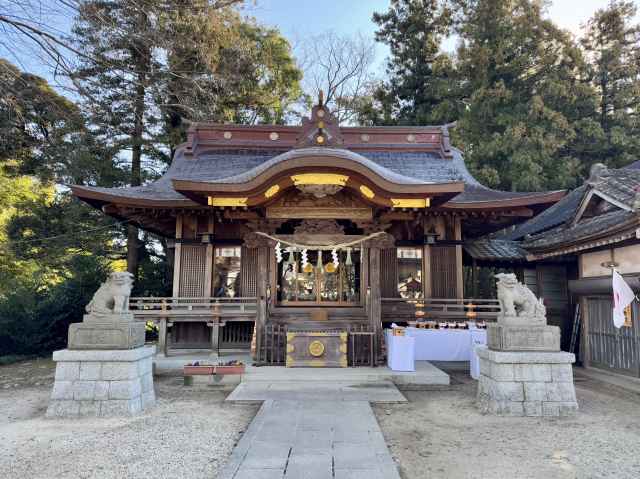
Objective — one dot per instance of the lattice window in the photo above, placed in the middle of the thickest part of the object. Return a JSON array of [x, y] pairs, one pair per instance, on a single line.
[[443, 271], [249, 272], [192, 268]]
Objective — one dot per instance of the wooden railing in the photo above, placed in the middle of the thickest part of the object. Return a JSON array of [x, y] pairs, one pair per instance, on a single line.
[[435, 309], [177, 308]]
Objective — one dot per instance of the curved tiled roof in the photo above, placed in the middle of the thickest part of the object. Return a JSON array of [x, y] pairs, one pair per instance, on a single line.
[[240, 165]]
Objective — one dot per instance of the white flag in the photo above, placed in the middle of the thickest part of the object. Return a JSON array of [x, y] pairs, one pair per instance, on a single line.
[[622, 297]]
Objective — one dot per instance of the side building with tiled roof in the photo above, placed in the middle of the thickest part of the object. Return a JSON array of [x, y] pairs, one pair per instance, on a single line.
[[590, 232]]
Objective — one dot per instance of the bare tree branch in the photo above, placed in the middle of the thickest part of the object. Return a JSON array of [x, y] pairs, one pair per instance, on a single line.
[[341, 67]]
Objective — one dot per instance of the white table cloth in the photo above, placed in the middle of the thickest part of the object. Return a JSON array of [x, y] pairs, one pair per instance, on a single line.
[[400, 352], [478, 338], [441, 344], [447, 344]]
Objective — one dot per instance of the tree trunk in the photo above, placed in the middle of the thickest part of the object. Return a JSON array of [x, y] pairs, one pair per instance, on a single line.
[[136, 169]]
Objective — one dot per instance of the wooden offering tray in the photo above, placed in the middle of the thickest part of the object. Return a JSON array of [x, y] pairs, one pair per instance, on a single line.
[[198, 369]]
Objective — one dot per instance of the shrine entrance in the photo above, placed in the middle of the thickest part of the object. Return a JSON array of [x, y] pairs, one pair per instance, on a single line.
[[319, 278]]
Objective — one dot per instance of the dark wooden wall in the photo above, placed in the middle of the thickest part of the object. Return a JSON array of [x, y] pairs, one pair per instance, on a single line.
[[443, 271]]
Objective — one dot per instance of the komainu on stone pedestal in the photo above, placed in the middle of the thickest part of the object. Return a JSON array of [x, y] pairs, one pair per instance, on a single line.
[[108, 323], [522, 322], [107, 369], [522, 371]]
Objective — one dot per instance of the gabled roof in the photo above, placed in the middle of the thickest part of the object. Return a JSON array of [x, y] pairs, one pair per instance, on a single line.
[[573, 231]]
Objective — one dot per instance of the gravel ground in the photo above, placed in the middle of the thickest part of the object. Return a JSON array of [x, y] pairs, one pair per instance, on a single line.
[[189, 434], [440, 434]]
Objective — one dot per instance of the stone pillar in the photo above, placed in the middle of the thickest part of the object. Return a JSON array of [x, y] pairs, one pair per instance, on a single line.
[[102, 382]]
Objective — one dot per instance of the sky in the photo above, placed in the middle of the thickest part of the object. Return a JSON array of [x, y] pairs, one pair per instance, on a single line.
[[297, 19]]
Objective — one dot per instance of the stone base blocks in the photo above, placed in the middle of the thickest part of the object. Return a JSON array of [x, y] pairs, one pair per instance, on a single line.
[[102, 382], [526, 383]]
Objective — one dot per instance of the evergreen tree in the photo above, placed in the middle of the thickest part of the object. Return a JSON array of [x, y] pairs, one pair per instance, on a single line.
[[612, 44], [150, 64], [422, 88], [529, 105]]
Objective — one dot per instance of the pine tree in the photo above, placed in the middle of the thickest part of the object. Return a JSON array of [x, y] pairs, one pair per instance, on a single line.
[[150, 64]]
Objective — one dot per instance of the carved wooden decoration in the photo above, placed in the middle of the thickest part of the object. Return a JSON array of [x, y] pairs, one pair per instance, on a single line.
[[341, 205]]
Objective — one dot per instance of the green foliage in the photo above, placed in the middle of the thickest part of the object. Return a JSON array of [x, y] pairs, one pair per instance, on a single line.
[[35, 320], [422, 87], [534, 107]]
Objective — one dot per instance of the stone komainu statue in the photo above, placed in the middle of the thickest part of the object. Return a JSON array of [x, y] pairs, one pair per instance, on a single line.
[[112, 296], [519, 304]]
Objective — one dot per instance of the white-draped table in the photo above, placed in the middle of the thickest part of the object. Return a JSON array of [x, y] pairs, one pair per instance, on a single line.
[[400, 352], [448, 345]]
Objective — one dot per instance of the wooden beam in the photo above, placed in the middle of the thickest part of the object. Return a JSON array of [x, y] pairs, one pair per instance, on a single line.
[[457, 235], [177, 257]]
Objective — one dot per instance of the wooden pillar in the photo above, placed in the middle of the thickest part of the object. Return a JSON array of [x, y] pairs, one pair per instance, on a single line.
[[261, 287], [375, 307], [163, 327], [177, 256], [427, 287], [162, 337], [474, 277], [364, 275], [457, 231], [209, 267], [585, 350]]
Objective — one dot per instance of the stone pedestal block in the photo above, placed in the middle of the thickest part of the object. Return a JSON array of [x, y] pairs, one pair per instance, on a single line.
[[102, 383], [507, 337], [526, 383], [109, 331]]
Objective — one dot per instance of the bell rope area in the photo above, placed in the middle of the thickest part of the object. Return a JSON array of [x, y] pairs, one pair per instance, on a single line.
[[282, 239]]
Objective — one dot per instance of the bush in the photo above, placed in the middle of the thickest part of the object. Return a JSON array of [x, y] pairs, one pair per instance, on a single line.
[[35, 320]]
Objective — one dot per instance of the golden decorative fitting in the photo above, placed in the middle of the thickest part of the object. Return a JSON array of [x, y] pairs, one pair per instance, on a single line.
[[320, 113], [227, 135], [220, 201], [316, 348], [365, 138], [411, 202], [321, 124], [367, 191], [272, 191], [273, 136], [320, 139], [319, 179], [411, 138], [419, 313]]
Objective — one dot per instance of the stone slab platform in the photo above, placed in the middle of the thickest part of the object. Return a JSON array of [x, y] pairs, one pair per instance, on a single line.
[[383, 391], [312, 440]]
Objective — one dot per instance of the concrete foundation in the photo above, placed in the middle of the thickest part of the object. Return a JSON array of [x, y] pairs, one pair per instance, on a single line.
[[102, 382], [526, 383]]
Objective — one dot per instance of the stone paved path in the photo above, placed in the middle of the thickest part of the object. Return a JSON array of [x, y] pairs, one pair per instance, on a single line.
[[295, 439]]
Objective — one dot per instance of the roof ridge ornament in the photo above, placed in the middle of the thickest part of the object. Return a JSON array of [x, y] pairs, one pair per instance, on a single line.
[[322, 129], [597, 173]]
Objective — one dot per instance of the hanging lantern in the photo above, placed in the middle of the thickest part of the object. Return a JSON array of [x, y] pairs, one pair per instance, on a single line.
[[278, 252], [348, 262]]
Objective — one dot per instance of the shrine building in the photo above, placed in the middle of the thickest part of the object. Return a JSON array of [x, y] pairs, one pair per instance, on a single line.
[[282, 234]]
